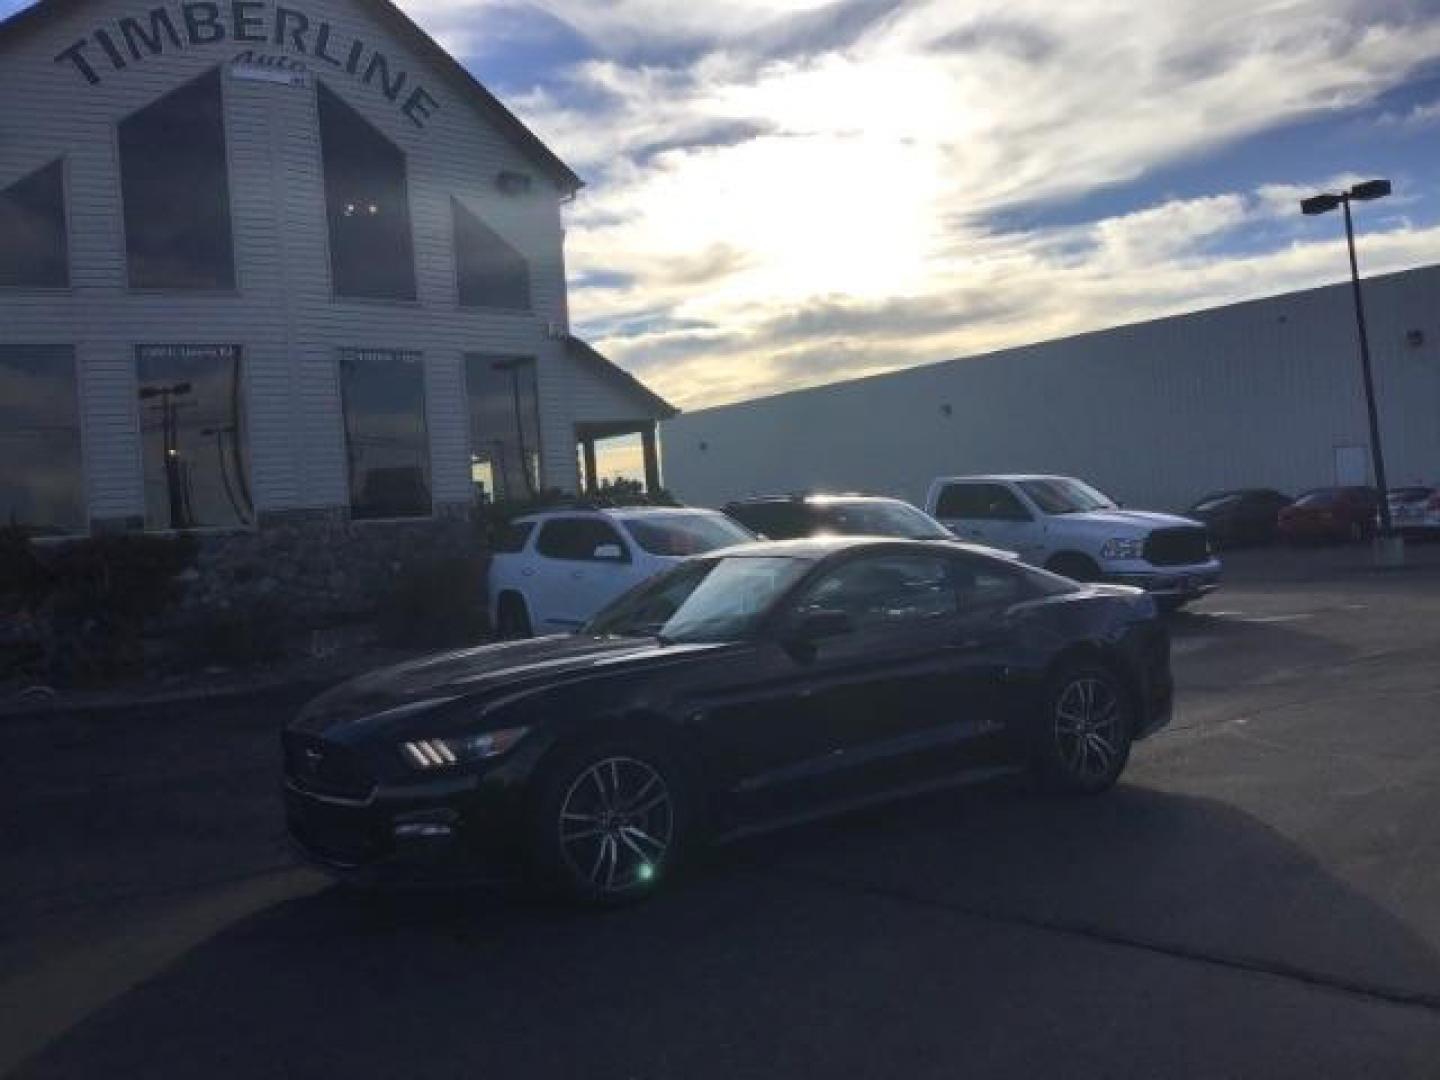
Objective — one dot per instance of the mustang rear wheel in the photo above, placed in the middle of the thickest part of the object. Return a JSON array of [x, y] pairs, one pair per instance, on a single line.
[[608, 824], [1084, 740]]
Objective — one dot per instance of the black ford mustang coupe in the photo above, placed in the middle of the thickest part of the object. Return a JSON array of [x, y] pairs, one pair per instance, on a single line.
[[747, 688]]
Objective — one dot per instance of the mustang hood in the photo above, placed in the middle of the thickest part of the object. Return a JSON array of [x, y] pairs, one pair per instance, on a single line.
[[393, 693]]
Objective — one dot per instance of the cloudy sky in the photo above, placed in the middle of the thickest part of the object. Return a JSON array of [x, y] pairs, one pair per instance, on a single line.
[[783, 194], [788, 192]]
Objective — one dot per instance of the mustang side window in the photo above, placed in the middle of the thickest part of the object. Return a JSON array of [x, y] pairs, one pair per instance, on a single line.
[[885, 590]]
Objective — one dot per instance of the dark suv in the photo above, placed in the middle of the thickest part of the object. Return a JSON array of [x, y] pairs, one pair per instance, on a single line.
[[787, 517]]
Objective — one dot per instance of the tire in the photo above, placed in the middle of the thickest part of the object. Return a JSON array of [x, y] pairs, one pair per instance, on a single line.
[[1075, 566], [609, 823], [1084, 703], [512, 618]]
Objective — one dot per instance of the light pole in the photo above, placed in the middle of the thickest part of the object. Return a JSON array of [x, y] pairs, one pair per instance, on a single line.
[[170, 448], [1322, 204]]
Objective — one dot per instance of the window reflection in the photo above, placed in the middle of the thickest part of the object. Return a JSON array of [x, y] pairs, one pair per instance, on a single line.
[[32, 230], [176, 189], [504, 425], [192, 429], [386, 440], [366, 205], [489, 272], [40, 479]]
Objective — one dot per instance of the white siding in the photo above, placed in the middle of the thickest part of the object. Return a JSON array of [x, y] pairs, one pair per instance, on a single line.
[[282, 313], [1157, 413]]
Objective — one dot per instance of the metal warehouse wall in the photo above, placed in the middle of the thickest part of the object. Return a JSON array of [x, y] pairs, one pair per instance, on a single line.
[[282, 312], [1257, 393]]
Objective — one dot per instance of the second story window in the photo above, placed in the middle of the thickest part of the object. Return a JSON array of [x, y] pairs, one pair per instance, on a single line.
[[176, 187], [488, 271], [367, 206], [32, 230]]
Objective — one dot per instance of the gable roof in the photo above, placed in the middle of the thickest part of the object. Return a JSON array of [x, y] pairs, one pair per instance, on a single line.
[[588, 357], [403, 28]]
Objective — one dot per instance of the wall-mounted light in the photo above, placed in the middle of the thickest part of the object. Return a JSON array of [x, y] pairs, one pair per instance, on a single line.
[[1414, 338], [945, 409]]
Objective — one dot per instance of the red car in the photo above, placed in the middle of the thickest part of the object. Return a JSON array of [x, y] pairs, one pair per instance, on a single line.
[[1332, 513]]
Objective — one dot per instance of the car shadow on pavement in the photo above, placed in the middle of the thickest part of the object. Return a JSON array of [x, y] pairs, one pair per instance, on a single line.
[[902, 941], [1222, 652]]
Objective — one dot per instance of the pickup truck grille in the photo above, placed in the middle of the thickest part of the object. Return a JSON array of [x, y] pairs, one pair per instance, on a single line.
[[1177, 547], [325, 768]]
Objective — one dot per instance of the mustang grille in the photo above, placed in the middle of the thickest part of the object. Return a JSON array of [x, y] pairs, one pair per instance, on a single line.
[[325, 768]]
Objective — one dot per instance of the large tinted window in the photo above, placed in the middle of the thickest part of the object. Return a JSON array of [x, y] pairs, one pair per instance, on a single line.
[[489, 272], [981, 502], [960, 501], [580, 539], [512, 537], [386, 441], [192, 429], [177, 191], [504, 425], [40, 480], [366, 205], [776, 520], [685, 533], [32, 230]]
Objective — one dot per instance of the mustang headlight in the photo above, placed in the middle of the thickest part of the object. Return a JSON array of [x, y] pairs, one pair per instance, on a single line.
[[1120, 547], [455, 749]]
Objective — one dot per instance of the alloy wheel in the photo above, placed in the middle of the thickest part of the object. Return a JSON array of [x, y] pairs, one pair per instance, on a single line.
[[1087, 727], [616, 825]]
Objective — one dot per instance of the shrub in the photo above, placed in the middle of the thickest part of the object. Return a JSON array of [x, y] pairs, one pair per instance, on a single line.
[[84, 602], [436, 604], [249, 632]]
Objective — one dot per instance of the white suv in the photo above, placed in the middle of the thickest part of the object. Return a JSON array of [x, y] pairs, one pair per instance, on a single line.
[[552, 571], [1065, 525]]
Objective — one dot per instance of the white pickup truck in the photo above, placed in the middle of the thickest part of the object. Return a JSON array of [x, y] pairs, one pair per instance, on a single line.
[[1067, 526]]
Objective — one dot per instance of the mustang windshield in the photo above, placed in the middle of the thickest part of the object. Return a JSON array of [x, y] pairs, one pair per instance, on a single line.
[[707, 600]]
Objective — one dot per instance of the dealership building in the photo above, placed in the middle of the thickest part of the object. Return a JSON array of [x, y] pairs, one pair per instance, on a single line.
[[277, 262], [1262, 393]]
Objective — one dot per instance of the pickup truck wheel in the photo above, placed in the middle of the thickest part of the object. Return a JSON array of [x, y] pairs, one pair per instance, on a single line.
[[1075, 566]]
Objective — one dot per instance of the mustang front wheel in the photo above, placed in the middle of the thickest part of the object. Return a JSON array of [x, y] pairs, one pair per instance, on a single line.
[[1084, 742], [608, 825]]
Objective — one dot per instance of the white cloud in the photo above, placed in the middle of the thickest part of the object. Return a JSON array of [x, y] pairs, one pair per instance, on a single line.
[[756, 167], [1418, 117]]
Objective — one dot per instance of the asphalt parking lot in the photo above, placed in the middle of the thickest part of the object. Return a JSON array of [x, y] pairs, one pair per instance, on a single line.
[[1260, 897]]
